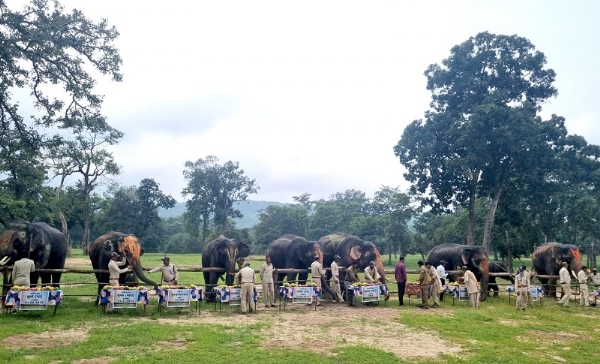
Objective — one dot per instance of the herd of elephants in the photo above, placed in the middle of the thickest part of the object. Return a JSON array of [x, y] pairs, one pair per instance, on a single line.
[[48, 247]]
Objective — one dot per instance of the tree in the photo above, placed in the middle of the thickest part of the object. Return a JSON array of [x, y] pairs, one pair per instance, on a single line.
[[482, 130], [337, 213], [42, 46], [214, 188], [275, 221], [87, 153], [134, 210]]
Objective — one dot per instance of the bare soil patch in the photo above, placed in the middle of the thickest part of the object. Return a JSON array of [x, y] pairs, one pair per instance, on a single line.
[[99, 360], [78, 263], [558, 337], [174, 344], [46, 339], [507, 322]]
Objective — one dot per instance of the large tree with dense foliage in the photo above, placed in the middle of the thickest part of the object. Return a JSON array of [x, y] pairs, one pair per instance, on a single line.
[[275, 221], [213, 188], [483, 131]]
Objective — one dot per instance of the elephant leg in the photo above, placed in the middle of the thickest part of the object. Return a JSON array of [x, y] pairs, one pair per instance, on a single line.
[[34, 278], [291, 277], [302, 278], [46, 279], [56, 279]]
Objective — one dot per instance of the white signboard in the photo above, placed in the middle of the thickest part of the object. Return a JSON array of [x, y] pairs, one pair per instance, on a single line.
[[463, 294], [178, 297], [534, 293], [125, 299], [302, 295], [33, 300], [235, 297], [370, 293]]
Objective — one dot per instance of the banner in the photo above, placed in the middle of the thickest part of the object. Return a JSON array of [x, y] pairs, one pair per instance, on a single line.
[[370, 293], [33, 300], [302, 295], [235, 296], [178, 297], [124, 298]]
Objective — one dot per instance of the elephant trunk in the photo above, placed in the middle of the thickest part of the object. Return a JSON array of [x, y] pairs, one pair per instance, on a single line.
[[380, 267], [230, 266], [137, 269], [484, 269]]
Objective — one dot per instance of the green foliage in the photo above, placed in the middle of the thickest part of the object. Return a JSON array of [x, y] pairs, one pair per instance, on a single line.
[[276, 221], [213, 188]]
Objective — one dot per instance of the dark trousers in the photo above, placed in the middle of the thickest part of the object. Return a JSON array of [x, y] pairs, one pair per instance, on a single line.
[[443, 289], [401, 287], [349, 294]]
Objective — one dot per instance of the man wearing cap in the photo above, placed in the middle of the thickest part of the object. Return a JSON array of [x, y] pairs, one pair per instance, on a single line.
[[424, 284], [584, 294], [246, 278], [114, 270], [351, 277], [266, 277], [335, 277], [371, 273], [595, 279], [434, 283], [565, 283], [317, 272], [472, 286], [400, 275], [522, 287], [169, 272]]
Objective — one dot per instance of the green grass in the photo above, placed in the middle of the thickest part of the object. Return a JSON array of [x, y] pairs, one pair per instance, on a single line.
[[493, 333]]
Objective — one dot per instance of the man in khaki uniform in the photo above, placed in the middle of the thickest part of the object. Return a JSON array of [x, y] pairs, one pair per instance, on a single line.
[[565, 283], [424, 284], [472, 286], [113, 268], [335, 277], [21, 271], [246, 278], [435, 283], [351, 277], [317, 272], [168, 270], [266, 277], [371, 273], [595, 279], [584, 293], [522, 287]]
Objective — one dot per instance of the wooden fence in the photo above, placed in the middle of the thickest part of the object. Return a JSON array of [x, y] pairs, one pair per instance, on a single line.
[[6, 273]]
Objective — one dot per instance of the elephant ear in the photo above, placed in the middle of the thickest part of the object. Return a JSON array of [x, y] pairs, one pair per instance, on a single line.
[[355, 252], [466, 256], [109, 246], [243, 249]]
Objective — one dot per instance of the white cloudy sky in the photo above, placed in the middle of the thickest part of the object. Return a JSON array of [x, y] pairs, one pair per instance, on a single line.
[[311, 96]]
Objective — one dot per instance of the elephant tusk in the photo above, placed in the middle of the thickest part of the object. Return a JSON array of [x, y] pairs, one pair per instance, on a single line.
[[4, 260]]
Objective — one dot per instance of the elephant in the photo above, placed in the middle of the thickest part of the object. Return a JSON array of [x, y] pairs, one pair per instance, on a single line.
[[547, 260], [456, 255], [114, 241], [296, 252], [222, 253], [351, 248], [42, 243], [498, 267]]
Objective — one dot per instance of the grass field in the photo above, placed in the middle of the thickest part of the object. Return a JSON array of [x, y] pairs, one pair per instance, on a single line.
[[493, 333]]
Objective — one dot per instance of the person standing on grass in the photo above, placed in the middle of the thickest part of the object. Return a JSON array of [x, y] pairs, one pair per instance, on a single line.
[[246, 278], [317, 273], [400, 274], [114, 270], [523, 287], [435, 283], [424, 284], [351, 277], [335, 276], [21, 272], [584, 294], [169, 272], [565, 283], [266, 277], [441, 271], [472, 286]]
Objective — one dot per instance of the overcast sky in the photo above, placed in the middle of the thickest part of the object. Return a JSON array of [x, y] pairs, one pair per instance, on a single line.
[[311, 96]]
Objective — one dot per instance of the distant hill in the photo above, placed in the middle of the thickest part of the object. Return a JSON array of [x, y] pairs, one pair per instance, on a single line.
[[249, 209]]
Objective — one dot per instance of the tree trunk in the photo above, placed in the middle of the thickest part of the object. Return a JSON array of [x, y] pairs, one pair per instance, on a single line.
[[472, 197], [509, 260], [489, 221]]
